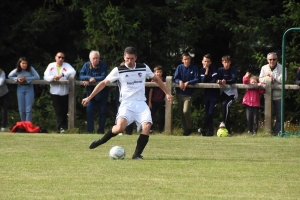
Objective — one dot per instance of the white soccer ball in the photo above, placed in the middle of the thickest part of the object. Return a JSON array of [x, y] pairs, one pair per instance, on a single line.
[[117, 153]]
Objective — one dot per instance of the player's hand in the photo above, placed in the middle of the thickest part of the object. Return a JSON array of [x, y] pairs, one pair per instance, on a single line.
[[170, 98], [92, 80], [181, 85], [85, 101], [85, 83]]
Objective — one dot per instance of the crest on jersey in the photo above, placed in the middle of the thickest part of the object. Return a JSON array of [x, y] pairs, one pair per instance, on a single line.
[[140, 74]]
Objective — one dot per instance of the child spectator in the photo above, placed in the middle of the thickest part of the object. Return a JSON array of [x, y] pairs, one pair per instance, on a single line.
[[156, 101], [4, 99], [227, 75], [252, 102], [185, 74], [208, 74], [24, 74]]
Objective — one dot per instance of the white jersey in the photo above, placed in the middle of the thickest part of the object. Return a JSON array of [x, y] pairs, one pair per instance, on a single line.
[[131, 81]]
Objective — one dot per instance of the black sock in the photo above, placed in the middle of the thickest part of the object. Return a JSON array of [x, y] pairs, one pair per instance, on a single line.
[[141, 144], [107, 136]]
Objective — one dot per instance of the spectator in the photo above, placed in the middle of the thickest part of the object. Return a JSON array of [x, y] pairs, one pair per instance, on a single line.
[[252, 102], [133, 107], [156, 101], [94, 71], [185, 74], [273, 71], [4, 99], [208, 74], [24, 74], [59, 71], [227, 75]]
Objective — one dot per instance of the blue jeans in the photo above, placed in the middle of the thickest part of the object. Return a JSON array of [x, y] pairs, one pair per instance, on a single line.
[[25, 94], [90, 108]]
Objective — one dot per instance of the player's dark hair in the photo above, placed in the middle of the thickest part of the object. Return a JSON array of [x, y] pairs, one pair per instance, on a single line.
[[157, 67], [185, 54], [208, 56], [226, 58], [130, 50], [19, 69]]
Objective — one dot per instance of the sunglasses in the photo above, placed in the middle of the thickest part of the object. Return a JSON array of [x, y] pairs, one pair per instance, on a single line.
[[273, 59], [59, 57]]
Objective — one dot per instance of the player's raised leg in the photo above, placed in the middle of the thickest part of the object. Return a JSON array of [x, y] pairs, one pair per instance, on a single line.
[[118, 128]]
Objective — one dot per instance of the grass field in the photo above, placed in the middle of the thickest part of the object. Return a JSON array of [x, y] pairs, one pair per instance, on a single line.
[[60, 166]]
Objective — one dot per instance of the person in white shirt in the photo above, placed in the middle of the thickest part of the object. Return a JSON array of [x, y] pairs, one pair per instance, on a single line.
[[131, 81], [273, 70], [58, 71]]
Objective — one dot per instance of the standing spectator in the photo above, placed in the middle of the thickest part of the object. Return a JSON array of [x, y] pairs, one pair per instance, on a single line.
[[4, 99], [24, 74], [252, 102], [133, 107], [185, 74], [59, 71], [208, 74], [273, 71], [94, 71], [227, 75], [157, 102]]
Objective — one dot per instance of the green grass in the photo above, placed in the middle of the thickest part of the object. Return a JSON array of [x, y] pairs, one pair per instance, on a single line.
[[60, 166]]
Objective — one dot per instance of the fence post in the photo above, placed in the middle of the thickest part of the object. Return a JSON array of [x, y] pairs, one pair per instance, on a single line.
[[268, 106], [72, 103], [169, 107]]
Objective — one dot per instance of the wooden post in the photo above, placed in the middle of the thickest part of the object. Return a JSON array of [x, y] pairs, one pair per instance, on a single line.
[[72, 103], [268, 106], [169, 107]]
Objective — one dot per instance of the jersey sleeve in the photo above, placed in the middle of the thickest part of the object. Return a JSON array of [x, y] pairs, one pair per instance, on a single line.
[[149, 73], [113, 75]]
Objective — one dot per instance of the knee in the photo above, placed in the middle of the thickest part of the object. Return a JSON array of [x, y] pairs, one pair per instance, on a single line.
[[119, 128], [146, 126]]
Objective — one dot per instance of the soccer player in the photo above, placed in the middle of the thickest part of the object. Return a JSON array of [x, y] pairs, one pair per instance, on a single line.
[[131, 81]]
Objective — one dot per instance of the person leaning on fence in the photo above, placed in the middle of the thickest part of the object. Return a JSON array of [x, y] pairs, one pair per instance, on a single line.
[[208, 74], [59, 71], [185, 74], [131, 81], [156, 101], [227, 75], [4, 100], [251, 101], [273, 71], [24, 73], [94, 71]]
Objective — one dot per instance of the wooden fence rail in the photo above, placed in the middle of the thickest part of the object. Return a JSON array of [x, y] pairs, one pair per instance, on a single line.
[[72, 82]]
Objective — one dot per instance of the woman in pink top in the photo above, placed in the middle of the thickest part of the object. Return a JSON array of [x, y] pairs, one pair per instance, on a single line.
[[252, 102]]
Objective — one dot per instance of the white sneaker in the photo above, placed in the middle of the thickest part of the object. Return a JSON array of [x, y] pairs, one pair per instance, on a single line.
[[222, 125], [199, 130], [3, 129]]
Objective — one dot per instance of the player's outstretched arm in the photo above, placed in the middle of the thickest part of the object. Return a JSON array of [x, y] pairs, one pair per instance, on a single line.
[[162, 86], [96, 90]]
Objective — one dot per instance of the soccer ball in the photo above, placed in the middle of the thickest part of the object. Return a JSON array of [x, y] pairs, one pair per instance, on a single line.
[[222, 132], [117, 153]]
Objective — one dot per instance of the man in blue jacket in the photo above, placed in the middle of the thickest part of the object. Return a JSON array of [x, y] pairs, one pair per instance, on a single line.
[[93, 71], [185, 74]]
